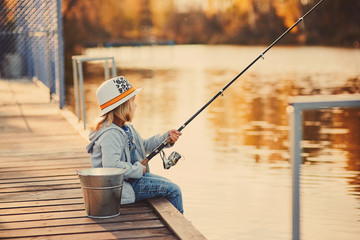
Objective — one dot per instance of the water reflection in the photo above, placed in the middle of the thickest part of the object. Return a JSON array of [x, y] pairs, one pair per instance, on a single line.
[[236, 176]]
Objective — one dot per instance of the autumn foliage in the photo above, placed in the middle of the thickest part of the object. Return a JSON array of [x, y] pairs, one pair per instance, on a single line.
[[335, 22]]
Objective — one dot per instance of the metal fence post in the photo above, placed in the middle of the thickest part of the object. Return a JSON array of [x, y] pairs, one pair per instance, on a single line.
[[76, 87], [82, 97], [299, 104], [79, 80], [113, 67], [296, 159], [107, 72]]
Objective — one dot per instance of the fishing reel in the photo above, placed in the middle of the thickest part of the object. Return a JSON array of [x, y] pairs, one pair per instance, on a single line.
[[171, 160]]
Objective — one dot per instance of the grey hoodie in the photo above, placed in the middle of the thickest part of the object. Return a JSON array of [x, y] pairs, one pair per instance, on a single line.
[[109, 148]]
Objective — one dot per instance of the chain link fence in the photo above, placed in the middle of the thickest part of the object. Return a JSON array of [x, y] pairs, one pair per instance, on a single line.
[[31, 44]]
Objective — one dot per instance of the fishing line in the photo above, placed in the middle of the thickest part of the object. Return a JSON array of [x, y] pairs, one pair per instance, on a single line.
[[169, 162]]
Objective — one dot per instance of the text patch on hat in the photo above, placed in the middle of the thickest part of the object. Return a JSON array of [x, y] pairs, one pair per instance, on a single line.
[[121, 84]]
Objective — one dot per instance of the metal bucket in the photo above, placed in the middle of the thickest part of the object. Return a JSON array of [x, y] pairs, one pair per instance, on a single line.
[[101, 189]]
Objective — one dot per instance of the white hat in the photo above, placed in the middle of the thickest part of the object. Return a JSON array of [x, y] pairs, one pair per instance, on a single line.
[[114, 92]]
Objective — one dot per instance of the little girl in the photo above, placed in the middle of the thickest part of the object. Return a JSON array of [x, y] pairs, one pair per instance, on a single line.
[[115, 143]]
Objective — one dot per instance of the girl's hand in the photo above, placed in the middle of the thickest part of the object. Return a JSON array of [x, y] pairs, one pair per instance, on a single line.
[[174, 135], [144, 169]]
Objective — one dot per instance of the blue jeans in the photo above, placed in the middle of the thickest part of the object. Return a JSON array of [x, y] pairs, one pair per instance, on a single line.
[[152, 186]]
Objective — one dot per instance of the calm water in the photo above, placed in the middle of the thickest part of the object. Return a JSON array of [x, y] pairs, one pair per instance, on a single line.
[[236, 176]]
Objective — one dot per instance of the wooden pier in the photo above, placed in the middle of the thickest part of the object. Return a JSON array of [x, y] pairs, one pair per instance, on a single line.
[[40, 193]]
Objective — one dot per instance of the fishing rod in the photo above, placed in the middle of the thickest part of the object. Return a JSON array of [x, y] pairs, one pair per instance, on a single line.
[[174, 157]]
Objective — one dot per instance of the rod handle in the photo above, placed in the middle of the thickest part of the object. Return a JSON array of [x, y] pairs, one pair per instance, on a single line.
[[156, 151]]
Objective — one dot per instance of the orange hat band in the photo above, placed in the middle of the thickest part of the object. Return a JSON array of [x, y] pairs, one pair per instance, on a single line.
[[116, 99]]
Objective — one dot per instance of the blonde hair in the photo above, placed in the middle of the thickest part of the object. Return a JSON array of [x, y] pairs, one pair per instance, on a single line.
[[120, 114]]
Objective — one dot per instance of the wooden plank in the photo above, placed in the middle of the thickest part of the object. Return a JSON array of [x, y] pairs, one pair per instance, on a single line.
[[60, 213], [81, 228], [45, 156], [43, 150], [33, 204], [60, 208], [45, 195], [54, 202], [78, 220], [41, 163], [175, 220], [42, 216], [7, 187], [36, 168], [40, 173], [42, 202], [20, 180], [31, 138], [40, 188], [152, 233], [39, 144], [48, 162], [41, 209]]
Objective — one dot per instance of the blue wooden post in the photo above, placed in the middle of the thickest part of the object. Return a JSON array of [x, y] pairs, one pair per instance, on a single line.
[[59, 56]]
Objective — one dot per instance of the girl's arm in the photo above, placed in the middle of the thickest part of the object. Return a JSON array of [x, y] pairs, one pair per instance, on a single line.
[[151, 143], [154, 141]]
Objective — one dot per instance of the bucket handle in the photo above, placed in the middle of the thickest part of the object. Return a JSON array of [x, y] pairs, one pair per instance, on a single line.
[[102, 188]]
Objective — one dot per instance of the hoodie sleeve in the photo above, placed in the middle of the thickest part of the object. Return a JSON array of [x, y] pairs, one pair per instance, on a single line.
[[114, 155], [154, 141]]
